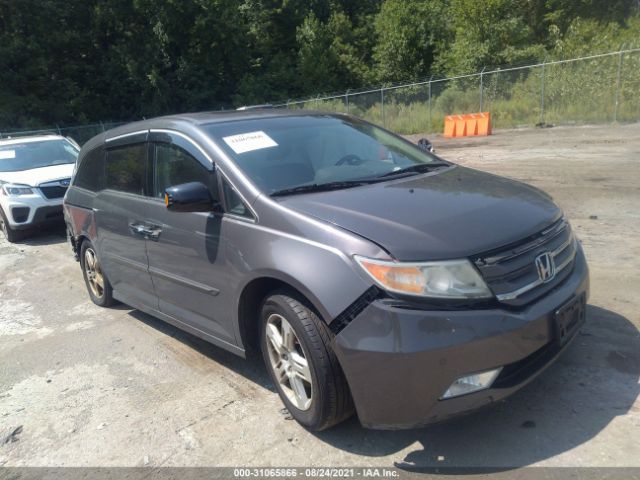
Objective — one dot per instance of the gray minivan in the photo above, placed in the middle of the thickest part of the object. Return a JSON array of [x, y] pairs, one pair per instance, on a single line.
[[372, 275]]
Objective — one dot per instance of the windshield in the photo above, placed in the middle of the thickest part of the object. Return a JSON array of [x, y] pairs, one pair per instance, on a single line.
[[281, 153], [28, 155]]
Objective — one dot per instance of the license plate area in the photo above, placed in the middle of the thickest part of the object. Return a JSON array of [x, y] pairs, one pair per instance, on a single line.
[[568, 319]]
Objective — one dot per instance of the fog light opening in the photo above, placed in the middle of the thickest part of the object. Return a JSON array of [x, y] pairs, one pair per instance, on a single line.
[[471, 383]]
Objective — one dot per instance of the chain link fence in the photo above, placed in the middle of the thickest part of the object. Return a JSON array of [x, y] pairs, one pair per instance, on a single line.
[[594, 89]]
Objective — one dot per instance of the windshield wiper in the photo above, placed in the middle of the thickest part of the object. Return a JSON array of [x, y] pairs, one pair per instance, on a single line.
[[417, 168], [321, 187]]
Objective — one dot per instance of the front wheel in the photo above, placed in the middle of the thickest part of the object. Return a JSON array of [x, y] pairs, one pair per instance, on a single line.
[[97, 283], [296, 349], [10, 234]]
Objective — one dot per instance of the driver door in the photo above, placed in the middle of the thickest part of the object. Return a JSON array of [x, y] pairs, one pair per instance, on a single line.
[[186, 259]]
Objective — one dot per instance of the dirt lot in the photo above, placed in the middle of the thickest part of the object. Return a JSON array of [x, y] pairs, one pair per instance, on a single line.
[[95, 387]]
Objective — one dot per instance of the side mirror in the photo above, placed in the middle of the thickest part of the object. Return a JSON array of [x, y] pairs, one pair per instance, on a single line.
[[189, 197]]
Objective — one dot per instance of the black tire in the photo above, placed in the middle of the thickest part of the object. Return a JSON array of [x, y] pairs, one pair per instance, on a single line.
[[102, 297], [10, 234], [331, 401]]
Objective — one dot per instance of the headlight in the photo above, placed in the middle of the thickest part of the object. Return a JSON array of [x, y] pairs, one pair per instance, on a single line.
[[446, 279], [16, 190]]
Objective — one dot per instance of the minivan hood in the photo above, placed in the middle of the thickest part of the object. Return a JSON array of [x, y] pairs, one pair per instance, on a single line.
[[446, 214], [36, 176]]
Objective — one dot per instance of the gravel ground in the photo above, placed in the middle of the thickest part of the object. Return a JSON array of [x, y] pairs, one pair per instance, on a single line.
[[115, 387]]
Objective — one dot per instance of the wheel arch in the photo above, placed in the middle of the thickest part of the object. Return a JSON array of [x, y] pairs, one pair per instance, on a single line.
[[80, 223], [253, 295], [76, 243]]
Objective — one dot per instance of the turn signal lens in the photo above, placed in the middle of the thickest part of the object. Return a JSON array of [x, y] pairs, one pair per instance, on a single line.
[[405, 279], [446, 279]]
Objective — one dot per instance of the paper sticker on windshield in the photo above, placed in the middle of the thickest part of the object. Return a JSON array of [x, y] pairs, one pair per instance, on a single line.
[[7, 154], [247, 142]]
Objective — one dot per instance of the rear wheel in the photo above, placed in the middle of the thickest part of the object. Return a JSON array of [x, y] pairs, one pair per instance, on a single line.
[[296, 349], [10, 234], [96, 281]]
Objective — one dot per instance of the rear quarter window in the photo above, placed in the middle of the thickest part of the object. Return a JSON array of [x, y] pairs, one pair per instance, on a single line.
[[90, 174], [125, 168]]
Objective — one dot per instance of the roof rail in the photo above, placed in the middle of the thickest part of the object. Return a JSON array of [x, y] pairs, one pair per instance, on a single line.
[[255, 107]]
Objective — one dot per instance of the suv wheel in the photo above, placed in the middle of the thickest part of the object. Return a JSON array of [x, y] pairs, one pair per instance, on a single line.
[[10, 234], [296, 349], [97, 282]]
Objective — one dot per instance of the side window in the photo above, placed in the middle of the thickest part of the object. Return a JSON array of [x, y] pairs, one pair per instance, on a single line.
[[125, 169], [234, 202], [90, 174], [174, 166]]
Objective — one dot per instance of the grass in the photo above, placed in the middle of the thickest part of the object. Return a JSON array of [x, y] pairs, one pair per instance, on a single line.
[[574, 93]]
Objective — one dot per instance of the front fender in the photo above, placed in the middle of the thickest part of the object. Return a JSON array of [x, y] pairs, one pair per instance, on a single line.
[[327, 277]]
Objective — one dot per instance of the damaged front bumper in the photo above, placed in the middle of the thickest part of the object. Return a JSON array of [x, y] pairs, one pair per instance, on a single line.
[[399, 362]]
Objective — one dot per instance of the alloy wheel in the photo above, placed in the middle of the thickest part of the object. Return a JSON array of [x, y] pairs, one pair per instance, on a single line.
[[94, 274], [289, 362]]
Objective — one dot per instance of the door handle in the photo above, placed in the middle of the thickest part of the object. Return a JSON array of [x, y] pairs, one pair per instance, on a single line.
[[151, 232], [137, 228]]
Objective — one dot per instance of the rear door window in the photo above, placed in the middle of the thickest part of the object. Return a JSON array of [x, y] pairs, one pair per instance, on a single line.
[[125, 168]]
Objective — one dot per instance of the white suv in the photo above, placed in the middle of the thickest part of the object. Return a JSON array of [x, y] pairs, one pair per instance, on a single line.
[[34, 175]]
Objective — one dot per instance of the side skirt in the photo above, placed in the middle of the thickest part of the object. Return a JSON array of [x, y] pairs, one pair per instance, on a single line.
[[181, 325]]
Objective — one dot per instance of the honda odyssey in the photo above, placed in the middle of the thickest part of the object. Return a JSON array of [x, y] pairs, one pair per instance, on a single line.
[[373, 275]]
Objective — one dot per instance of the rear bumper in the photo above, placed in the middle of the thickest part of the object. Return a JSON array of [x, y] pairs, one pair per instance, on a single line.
[[399, 362]]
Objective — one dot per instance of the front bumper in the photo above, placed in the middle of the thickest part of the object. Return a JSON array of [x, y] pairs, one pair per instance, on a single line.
[[398, 362], [28, 211]]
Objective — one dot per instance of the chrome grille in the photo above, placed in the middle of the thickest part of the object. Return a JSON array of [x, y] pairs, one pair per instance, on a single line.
[[511, 272]]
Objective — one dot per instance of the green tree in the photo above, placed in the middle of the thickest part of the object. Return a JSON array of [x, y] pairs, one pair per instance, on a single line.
[[409, 36], [90, 60], [328, 57], [487, 33], [43, 81], [195, 51], [562, 13], [588, 36], [271, 36], [318, 65]]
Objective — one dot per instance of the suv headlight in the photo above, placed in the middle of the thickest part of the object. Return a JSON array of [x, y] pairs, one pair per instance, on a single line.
[[456, 279], [16, 190]]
